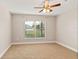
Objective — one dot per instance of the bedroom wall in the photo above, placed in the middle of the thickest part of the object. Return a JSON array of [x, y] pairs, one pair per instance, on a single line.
[[5, 29], [66, 29], [18, 27]]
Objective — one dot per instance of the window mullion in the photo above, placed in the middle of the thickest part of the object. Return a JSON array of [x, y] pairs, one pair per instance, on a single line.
[[35, 28]]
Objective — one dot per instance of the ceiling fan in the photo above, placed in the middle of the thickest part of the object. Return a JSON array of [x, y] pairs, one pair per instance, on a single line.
[[47, 7]]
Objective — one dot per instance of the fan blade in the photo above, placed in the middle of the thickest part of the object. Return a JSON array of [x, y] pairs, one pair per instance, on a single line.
[[55, 5], [51, 10], [38, 7], [40, 10]]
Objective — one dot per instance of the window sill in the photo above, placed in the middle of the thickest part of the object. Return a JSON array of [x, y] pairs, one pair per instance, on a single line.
[[35, 38]]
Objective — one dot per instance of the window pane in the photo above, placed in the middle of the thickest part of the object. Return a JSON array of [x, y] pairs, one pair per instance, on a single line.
[[34, 29], [29, 29], [39, 29]]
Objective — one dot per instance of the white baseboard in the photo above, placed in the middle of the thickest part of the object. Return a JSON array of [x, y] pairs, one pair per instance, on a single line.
[[14, 43], [67, 46], [5, 51]]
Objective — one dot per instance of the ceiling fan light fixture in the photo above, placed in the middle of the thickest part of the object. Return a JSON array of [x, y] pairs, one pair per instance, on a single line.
[[46, 10], [47, 7]]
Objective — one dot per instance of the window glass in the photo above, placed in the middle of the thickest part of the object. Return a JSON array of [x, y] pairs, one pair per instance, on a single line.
[[34, 29]]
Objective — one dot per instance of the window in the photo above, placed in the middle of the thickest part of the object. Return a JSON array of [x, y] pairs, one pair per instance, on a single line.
[[34, 29]]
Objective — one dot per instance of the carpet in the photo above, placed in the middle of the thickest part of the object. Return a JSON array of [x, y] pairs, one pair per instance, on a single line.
[[39, 51]]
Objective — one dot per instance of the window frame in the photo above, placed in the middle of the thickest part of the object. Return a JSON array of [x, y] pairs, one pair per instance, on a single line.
[[35, 30]]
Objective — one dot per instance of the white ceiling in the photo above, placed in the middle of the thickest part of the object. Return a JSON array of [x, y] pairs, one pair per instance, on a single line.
[[27, 6]]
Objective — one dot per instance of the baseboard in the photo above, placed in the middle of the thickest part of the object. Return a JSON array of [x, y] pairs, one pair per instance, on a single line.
[[66, 46], [5, 51], [14, 43]]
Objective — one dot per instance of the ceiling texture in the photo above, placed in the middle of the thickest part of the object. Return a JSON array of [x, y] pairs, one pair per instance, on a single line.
[[27, 6]]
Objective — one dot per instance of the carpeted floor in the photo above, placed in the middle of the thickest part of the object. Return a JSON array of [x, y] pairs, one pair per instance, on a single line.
[[39, 51]]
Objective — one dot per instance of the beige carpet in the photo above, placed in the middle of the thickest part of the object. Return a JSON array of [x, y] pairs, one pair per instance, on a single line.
[[39, 51]]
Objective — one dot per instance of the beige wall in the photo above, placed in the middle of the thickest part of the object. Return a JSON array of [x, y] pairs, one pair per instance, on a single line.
[[66, 27], [5, 28], [18, 27]]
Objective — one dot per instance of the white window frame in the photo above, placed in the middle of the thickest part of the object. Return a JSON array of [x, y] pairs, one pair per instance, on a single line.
[[35, 38]]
